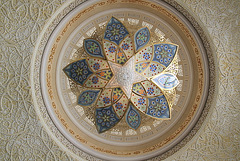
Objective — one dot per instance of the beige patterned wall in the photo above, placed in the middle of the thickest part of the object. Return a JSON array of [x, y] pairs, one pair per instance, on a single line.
[[219, 138], [23, 138]]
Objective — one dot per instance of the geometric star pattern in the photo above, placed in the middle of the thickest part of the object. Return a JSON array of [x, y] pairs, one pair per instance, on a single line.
[[123, 76]]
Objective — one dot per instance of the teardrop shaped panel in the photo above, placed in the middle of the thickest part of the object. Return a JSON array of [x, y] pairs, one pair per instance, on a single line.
[[141, 38], [121, 106], [133, 117], [88, 97], [166, 81], [93, 48], [106, 118], [105, 99]]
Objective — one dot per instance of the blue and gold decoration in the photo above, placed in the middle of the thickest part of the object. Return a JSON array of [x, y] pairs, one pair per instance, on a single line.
[[133, 117], [115, 31], [158, 107], [109, 60], [78, 71], [106, 118], [93, 48], [164, 53], [141, 38], [166, 81], [88, 97]]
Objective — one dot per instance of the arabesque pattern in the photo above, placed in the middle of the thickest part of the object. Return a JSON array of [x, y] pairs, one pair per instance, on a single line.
[[122, 75], [18, 117]]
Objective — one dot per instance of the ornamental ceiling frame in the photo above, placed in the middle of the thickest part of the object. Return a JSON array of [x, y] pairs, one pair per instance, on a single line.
[[211, 89]]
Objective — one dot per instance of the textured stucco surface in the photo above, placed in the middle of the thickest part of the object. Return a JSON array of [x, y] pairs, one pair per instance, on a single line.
[[22, 136]]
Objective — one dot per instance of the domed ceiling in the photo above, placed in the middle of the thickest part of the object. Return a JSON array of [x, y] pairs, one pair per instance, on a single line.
[[123, 79]]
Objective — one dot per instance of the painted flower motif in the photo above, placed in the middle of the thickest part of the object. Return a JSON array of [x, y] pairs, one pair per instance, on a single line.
[[153, 68], [95, 80], [119, 106], [111, 49], [115, 31], [124, 75], [125, 46], [106, 100], [150, 91], [96, 66], [133, 117], [141, 101], [92, 47], [146, 56]]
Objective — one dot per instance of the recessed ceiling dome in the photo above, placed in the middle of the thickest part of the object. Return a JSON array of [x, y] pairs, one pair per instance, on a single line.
[[121, 80], [121, 77]]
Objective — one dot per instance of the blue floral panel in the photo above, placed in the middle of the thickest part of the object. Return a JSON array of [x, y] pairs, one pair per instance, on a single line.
[[115, 31], [106, 118], [88, 97], [158, 107], [78, 71], [93, 48], [141, 38], [164, 53], [99, 71], [166, 81], [133, 117]]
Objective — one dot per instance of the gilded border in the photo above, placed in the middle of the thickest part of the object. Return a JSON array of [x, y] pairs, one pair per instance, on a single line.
[[210, 59]]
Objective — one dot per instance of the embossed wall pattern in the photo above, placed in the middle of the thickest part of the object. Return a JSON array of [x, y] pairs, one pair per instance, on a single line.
[[22, 137]]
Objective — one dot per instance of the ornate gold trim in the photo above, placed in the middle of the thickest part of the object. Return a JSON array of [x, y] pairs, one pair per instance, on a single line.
[[206, 45]]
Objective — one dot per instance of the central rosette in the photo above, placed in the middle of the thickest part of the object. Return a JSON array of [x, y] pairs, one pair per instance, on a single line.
[[124, 76]]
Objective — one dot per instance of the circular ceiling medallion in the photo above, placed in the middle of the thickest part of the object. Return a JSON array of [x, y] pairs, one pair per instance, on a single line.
[[120, 79]]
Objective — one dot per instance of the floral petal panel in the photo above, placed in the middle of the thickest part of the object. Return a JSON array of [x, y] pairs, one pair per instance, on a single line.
[[133, 117], [164, 53], [93, 48], [89, 72], [88, 97], [78, 71], [115, 100], [166, 81], [127, 47], [149, 99], [141, 38], [106, 118], [115, 31], [102, 73]]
